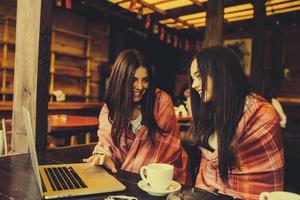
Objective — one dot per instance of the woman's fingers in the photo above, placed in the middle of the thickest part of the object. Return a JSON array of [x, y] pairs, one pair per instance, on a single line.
[[95, 160], [88, 160], [101, 160], [110, 164]]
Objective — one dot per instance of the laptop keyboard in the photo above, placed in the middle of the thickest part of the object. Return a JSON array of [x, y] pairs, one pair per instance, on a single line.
[[64, 178]]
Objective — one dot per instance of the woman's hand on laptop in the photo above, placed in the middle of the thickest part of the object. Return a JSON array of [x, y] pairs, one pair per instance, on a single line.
[[101, 159]]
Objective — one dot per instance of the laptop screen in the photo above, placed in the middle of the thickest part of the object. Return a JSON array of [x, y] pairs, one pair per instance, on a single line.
[[31, 145]]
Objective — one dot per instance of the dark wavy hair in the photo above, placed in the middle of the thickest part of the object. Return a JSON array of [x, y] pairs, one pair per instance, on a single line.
[[119, 95], [222, 114]]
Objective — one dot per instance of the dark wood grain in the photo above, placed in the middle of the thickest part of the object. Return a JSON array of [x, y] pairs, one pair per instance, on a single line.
[[214, 23], [258, 45], [43, 74]]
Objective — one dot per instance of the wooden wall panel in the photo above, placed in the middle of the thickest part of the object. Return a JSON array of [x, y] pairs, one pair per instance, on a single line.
[[100, 39], [291, 62], [69, 21], [71, 73], [8, 7]]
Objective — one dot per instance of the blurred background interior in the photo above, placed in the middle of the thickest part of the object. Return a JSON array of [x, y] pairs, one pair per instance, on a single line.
[[87, 35]]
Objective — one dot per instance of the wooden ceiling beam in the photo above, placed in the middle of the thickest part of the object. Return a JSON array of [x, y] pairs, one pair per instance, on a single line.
[[177, 12], [152, 7], [162, 12], [197, 3], [160, 2]]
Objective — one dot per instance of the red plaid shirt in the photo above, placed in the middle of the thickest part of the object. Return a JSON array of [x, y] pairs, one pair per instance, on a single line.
[[259, 154], [141, 151]]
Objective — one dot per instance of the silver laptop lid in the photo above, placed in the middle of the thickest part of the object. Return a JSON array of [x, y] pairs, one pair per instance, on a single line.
[[31, 145]]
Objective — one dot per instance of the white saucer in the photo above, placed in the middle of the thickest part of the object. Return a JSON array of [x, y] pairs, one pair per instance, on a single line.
[[173, 187]]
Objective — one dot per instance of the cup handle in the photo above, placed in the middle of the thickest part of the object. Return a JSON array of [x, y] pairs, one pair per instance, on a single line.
[[142, 173], [264, 196]]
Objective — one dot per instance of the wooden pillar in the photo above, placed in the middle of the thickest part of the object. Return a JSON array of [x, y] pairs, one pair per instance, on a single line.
[[214, 23], [31, 77], [258, 45], [43, 74]]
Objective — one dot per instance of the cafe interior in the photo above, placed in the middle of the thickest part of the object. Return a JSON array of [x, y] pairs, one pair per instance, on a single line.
[[56, 58]]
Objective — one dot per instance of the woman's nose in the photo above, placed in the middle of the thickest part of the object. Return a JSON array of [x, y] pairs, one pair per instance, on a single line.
[[194, 84], [139, 85]]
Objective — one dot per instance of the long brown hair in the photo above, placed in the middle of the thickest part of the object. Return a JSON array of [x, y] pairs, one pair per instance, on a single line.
[[119, 95], [222, 114]]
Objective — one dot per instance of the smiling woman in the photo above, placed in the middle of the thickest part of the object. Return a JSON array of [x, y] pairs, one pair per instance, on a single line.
[[138, 125], [236, 130], [140, 83]]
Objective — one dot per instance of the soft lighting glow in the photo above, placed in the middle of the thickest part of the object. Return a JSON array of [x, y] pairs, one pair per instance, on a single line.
[[147, 11], [193, 16], [239, 14], [174, 25], [237, 8], [137, 7], [153, 1], [182, 27], [239, 18], [283, 5], [231, 14], [283, 11], [202, 24], [167, 21], [127, 4], [270, 2], [195, 21], [173, 4], [115, 1]]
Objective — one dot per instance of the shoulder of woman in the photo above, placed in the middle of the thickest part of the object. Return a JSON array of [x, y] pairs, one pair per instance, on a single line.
[[162, 95], [104, 108], [104, 112], [261, 108]]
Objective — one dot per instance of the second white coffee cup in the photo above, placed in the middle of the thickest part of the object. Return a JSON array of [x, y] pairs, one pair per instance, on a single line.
[[279, 195], [157, 175]]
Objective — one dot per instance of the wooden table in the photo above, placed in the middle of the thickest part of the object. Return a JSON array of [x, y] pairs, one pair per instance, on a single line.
[[17, 180], [184, 122], [184, 119], [71, 126]]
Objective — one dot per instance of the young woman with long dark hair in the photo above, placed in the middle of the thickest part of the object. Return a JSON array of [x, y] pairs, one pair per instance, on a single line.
[[138, 125], [238, 131]]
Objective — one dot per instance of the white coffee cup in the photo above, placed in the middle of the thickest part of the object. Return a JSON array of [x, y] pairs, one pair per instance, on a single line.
[[157, 175], [278, 196]]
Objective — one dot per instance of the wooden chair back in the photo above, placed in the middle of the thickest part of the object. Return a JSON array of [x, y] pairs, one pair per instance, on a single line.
[[6, 126]]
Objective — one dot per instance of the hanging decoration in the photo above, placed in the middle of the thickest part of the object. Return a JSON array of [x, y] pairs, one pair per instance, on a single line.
[[132, 5], [180, 44], [139, 14], [198, 46], [162, 33], [168, 38], [147, 22], [175, 41], [68, 4], [58, 3], [186, 45], [155, 28]]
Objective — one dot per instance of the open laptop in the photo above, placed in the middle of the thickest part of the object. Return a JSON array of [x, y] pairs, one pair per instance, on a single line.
[[66, 180]]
